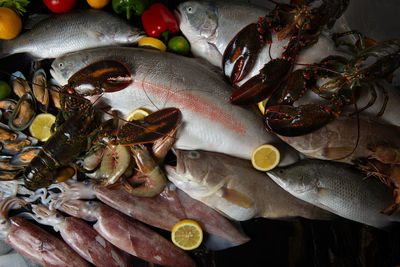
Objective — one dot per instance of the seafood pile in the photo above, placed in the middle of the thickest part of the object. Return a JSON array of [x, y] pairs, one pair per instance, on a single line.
[[104, 190]]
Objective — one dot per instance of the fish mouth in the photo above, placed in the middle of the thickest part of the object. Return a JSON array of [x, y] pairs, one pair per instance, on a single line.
[[178, 16]]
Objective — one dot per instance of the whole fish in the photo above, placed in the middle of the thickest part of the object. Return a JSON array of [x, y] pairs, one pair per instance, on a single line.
[[60, 34], [234, 188], [339, 188], [338, 139], [210, 26], [162, 80]]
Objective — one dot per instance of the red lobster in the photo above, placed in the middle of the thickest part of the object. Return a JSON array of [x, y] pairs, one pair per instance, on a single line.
[[345, 76], [300, 22]]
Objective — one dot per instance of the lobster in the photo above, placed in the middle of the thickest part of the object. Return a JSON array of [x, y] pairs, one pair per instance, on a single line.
[[346, 76], [300, 22], [82, 122]]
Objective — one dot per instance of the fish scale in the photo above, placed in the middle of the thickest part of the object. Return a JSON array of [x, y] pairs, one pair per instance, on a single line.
[[339, 188], [163, 80]]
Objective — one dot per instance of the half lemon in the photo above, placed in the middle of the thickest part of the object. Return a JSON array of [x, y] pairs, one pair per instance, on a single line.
[[187, 234], [138, 114], [265, 157], [40, 127]]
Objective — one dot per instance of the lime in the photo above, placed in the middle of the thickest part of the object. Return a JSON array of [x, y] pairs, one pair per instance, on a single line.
[[179, 45], [5, 89]]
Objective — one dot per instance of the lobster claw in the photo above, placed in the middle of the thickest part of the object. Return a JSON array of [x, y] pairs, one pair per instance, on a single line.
[[102, 76], [294, 121], [151, 128], [241, 53], [263, 84]]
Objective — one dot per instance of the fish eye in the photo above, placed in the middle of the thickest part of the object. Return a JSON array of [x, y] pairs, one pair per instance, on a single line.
[[60, 65], [194, 155], [189, 9], [90, 203]]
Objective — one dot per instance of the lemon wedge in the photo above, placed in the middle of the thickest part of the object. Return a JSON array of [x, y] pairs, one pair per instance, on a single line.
[[41, 125], [152, 43], [261, 105], [187, 234], [265, 157], [138, 114]]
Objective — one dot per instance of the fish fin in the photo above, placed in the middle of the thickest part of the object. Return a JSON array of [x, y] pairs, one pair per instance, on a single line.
[[96, 34], [236, 198], [35, 19], [336, 152], [326, 197]]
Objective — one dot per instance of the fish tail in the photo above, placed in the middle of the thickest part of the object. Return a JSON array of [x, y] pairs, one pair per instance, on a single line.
[[4, 48]]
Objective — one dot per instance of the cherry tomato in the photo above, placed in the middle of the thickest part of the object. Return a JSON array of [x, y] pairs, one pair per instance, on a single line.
[[60, 6]]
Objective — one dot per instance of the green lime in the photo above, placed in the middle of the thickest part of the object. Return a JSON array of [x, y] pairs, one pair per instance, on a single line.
[[5, 89], [179, 45]]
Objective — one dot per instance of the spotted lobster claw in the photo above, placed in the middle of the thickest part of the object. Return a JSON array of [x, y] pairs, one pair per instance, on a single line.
[[101, 76], [153, 127], [241, 53], [262, 85], [287, 120]]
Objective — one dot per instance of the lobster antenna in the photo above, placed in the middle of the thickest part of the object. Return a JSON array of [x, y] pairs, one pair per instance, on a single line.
[[80, 97]]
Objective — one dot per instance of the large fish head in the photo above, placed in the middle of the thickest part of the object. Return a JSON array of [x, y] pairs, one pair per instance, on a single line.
[[194, 173], [64, 67], [197, 20], [295, 179]]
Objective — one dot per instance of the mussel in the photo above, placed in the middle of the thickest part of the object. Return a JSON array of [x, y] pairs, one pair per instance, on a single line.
[[23, 114], [24, 157], [19, 84], [40, 91]]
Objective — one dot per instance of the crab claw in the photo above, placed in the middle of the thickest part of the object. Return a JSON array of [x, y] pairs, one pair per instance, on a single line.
[[294, 121], [101, 76], [153, 127], [263, 84], [240, 54]]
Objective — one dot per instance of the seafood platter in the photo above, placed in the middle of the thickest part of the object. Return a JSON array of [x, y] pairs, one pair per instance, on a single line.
[[199, 133]]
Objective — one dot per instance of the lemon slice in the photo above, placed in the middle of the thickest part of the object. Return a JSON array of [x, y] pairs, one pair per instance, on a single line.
[[265, 157], [138, 114], [152, 43], [261, 105], [187, 234], [41, 125]]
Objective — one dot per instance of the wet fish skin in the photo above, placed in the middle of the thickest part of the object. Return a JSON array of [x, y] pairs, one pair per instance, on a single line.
[[234, 188], [74, 31], [338, 139], [163, 80], [339, 188]]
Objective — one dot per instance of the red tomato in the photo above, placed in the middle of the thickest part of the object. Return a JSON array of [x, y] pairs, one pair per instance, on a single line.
[[60, 6]]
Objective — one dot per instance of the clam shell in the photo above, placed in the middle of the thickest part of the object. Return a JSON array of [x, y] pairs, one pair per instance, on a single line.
[[9, 175], [39, 89], [6, 134], [12, 142], [23, 113]]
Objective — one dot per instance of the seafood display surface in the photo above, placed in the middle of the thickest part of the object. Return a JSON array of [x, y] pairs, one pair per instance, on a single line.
[[200, 133]]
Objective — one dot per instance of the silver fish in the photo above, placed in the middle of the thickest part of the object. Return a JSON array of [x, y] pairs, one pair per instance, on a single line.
[[234, 188], [338, 139], [162, 80], [60, 34], [338, 188]]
